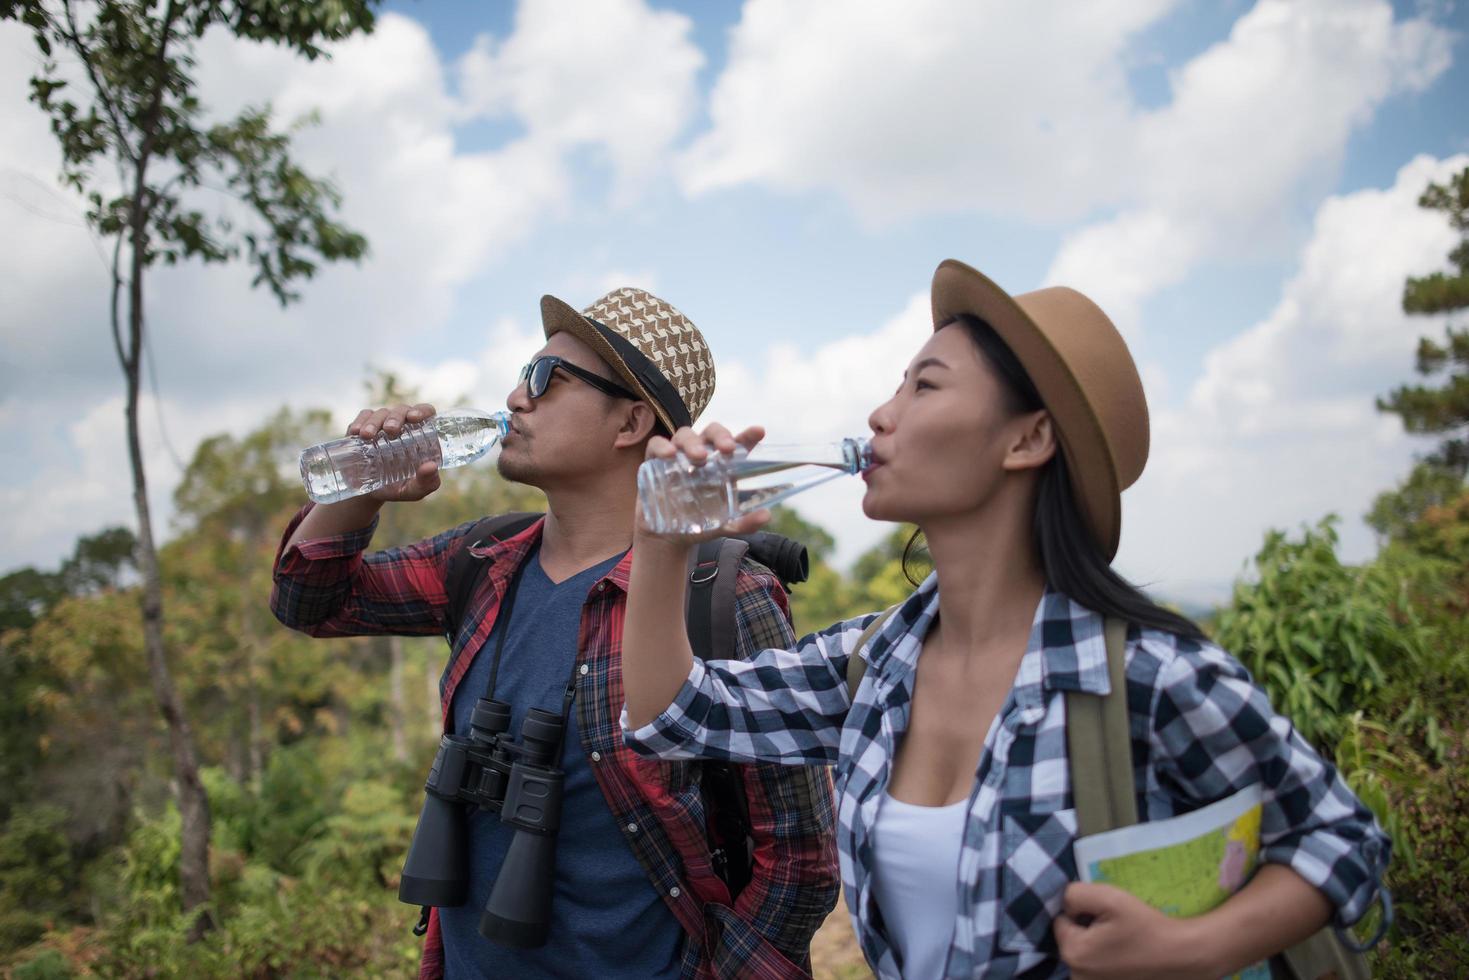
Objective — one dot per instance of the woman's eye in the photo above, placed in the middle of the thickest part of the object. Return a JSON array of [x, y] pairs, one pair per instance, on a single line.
[[920, 385]]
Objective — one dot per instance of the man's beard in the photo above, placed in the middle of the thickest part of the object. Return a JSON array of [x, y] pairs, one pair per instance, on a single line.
[[516, 471]]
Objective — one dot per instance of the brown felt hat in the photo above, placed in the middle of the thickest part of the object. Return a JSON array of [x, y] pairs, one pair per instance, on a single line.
[[1085, 376], [649, 344]]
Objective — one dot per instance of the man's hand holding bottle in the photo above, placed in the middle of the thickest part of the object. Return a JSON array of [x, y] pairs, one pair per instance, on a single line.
[[390, 422]]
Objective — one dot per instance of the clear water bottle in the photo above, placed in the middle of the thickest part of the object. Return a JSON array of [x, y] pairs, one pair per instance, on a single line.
[[352, 466], [679, 497]]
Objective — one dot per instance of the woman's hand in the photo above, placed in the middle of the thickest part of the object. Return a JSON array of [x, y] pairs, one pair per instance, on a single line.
[[696, 447], [1125, 938]]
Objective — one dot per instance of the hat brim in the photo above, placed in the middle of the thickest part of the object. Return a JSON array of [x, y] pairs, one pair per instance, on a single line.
[[958, 288], [558, 317]]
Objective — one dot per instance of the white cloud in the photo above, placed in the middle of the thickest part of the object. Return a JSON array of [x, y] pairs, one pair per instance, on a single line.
[[927, 106], [613, 73], [1281, 428], [933, 107], [1255, 124]]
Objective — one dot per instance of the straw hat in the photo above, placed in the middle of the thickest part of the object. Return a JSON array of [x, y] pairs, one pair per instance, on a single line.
[[1084, 374], [651, 345]]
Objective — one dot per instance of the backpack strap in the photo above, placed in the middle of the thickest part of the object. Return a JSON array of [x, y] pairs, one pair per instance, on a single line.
[[710, 613], [1099, 745], [856, 665], [710, 623], [463, 572]]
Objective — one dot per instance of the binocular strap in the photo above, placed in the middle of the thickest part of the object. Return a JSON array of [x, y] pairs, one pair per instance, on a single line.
[[502, 623]]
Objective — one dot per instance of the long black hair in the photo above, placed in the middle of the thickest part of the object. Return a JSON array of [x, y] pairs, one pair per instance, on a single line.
[[1072, 560]]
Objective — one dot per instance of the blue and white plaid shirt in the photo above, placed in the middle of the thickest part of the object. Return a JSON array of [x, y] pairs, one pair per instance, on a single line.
[[1205, 730]]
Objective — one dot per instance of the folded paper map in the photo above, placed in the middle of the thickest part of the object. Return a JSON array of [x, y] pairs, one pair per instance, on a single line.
[[1183, 866]]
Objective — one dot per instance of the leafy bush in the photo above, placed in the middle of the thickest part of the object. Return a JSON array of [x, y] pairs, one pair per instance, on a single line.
[[35, 874], [49, 964], [1430, 938], [1320, 636]]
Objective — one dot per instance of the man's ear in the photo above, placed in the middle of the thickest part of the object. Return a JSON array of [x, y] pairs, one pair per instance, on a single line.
[[638, 423], [1032, 441]]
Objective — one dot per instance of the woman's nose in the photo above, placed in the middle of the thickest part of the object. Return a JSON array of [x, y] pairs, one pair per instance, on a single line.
[[880, 421]]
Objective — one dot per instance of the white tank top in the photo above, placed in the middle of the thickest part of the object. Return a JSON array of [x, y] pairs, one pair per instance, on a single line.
[[915, 880]]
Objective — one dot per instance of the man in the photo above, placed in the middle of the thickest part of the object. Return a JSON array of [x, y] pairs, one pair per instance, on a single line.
[[635, 892]]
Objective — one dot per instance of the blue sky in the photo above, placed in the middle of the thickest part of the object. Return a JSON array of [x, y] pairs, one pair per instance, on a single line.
[[1233, 181]]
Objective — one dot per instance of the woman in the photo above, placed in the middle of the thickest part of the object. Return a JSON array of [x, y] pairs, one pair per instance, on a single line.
[[1015, 429]]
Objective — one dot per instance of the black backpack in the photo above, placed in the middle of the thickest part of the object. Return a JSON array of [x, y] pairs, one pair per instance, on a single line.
[[710, 620]]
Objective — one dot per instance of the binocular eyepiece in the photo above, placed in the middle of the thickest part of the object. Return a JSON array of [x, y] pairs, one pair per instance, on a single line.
[[519, 781]]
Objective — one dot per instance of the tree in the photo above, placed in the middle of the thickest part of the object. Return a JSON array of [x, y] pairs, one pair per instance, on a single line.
[[1442, 410], [135, 108]]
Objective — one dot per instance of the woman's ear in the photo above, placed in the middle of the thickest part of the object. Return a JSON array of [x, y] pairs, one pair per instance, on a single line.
[[638, 423], [1032, 441]]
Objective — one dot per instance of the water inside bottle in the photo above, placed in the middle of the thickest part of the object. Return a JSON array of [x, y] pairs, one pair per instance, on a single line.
[[464, 438], [349, 467], [679, 497]]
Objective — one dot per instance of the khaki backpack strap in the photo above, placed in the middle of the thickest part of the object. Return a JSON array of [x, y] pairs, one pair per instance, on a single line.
[[856, 666], [1099, 745]]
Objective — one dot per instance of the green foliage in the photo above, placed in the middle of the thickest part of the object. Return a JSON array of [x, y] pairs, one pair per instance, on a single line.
[[1444, 292], [1431, 936], [363, 845], [26, 594], [49, 964], [887, 573], [1320, 636], [35, 873], [1441, 410], [1368, 662], [96, 563], [1398, 512]]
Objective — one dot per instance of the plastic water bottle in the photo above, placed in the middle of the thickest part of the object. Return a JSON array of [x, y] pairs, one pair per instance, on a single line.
[[352, 466], [679, 497]]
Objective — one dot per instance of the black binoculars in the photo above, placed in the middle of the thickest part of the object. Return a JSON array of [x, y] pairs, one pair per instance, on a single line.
[[520, 782]]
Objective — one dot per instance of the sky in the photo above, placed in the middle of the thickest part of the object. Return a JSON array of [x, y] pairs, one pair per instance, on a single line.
[[1235, 183]]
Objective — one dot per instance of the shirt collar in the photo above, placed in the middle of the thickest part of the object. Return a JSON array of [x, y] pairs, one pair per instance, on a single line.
[[507, 555], [1071, 646], [1066, 649]]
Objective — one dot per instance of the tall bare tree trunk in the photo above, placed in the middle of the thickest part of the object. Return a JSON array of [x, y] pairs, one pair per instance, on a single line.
[[397, 706], [256, 737], [254, 730], [193, 801]]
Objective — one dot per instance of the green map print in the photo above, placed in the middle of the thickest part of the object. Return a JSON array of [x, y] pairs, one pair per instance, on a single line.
[[1190, 878]]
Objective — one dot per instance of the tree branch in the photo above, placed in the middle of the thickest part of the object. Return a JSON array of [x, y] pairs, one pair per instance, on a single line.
[[122, 357], [149, 118], [74, 38]]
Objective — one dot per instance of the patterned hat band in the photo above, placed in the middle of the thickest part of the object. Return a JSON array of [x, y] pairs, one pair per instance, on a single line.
[[652, 379]]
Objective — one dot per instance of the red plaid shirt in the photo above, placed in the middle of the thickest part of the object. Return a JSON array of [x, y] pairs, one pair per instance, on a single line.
[[328, 587]]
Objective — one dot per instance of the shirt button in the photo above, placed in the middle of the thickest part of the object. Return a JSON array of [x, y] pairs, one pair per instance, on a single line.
[[632, 828], [584, 669], [674, 892], [596, 757]]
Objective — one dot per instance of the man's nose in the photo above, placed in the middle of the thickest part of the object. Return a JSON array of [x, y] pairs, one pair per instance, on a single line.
[[519, 399]]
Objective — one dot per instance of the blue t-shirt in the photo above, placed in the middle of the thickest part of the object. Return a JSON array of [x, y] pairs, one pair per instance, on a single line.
[[606, 919]]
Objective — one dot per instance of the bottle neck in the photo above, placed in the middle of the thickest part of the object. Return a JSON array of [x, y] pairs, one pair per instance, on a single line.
[[500, 420], [851, 455]]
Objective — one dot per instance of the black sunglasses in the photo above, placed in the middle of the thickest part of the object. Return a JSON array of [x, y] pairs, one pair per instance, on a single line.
[[536, 376]]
